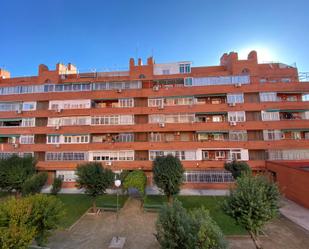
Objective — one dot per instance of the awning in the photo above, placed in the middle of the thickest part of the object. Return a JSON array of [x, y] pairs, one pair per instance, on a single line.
[[211, 95], [10, 119], [210, 113], [9, 135], [279, 110], [212, 132], [288, 130]]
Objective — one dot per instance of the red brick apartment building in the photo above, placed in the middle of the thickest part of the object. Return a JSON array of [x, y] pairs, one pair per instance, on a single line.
[[239, 110]]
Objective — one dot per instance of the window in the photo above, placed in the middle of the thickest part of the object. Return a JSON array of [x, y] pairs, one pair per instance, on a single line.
[[219, 154], [53, 139], [205, 155], [208, 176], [126, 102], [126, 137], [288, 154], [235, 98], [181, 155], [66, 176], [28, 122], [125, 155], [155, 137], [155, 102], [29, 106], [238, 135], [9, 106], [217, 118], [66, 156], [237, 116], [235, 155], [268, 97], [165, 71], [305, 97], [270, 116], [188, 81], [296, 135], [69, 104], [26, 139], [221, 80], [272, 135], [184, 68]]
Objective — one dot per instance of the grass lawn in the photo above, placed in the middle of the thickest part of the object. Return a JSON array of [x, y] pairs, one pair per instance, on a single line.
[[77, 204], [212, 203]]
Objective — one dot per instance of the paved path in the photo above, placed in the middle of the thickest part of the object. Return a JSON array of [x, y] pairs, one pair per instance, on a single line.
[[96, 232], [295, 213]]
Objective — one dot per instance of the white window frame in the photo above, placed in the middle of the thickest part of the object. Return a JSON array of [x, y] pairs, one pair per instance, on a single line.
[[238, 116]]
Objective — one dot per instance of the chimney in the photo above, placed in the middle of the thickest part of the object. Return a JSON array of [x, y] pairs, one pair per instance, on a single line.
[[42, 68], [131, 63], [252, 56], [4, 74], [71, 69], [139, 63], [150, 60]]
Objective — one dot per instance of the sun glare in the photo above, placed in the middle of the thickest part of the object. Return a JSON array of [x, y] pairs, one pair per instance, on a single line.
[[264, 54]]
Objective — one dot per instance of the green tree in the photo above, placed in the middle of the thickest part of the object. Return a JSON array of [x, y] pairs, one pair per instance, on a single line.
[[178, 229], [168, 175], [136, 179], [94, 179], [237, 168], [46, 214], [34, 184], [253, 203], [56, 186], [14, 171], [15, 230]]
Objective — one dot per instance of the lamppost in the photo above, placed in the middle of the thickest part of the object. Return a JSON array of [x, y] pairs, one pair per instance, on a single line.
[[117, 242], [117, 185]]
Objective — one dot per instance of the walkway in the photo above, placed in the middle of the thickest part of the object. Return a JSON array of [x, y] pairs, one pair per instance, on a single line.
[[295, 213], [96, 232]]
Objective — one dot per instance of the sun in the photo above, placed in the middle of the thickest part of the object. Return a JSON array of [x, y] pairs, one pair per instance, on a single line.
[[264, 54]]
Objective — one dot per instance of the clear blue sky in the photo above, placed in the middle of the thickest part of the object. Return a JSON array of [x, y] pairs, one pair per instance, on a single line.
[[105, 34]]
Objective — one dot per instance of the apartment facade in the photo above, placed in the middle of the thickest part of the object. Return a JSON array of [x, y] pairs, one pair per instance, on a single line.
[[239, 110]]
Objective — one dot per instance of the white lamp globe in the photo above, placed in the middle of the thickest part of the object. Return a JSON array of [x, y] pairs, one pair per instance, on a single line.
[[117, 183]]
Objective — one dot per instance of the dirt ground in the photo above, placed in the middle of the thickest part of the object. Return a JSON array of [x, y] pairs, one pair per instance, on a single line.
[[96, 232]]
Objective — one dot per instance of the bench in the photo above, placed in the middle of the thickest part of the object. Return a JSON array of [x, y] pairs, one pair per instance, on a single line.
[[152, 207]]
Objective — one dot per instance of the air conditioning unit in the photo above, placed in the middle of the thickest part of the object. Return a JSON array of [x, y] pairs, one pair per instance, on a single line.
[[57, 145], [57, 127], [108, 163], [238, 85], [162, 125], [232, 104], [119, 90], [233, 123], [19, 111], [15, 145], [161, 107], [58, 110], [156, 88]]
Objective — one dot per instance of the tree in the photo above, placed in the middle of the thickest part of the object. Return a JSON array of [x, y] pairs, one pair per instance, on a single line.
[[14, 171], [237, 168], [46, 214], [34, 184], [94, 179], [168, 175], [136, 179], [253, 203], [179, 229], [15, 231], [56, 186]]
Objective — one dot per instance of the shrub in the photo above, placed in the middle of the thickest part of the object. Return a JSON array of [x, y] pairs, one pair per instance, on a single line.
[[15, 230], [237, 168], [46, 214], [56, 186], [178, 229], [34, 184]]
